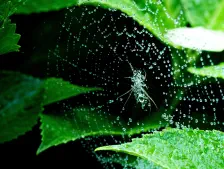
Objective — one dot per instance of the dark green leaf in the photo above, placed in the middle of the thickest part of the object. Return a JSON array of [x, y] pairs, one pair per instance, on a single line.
[[175, 148], [57, 90], [205, 13], [20, 104], [7, 8], [8, 38]]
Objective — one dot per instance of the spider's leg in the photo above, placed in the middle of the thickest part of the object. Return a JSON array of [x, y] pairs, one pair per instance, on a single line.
[[131, 66], [120, 59], [150, 106], [127, 99], [124, 94], [149, 97], [145, 74]]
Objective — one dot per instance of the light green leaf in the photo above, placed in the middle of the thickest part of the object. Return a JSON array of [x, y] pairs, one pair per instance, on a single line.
[[197, 38], [56, 90], [209, 71], [206, 13], [175, 148], [20, 104], [156, 16]]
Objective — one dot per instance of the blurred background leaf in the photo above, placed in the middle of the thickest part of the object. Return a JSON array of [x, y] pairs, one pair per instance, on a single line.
[[208, 14], [216, 71], [20, 104]]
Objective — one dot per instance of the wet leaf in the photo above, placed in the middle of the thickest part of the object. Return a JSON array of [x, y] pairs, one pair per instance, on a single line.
[[57, 89], [175, 148], [20, 104], [128, 161], [208, 14], [209, 71]]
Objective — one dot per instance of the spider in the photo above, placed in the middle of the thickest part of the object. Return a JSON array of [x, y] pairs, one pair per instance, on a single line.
[[138, 88]]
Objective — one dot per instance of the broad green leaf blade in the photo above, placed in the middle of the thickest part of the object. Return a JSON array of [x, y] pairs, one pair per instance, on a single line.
[[209, 71], [175, 148], [57, 90], [154, 15], [197, 38], [20, 104], [205, 13], [81, 122], [8, 38]]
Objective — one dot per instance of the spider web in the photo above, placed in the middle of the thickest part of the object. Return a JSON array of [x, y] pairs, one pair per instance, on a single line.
[[90, 42]]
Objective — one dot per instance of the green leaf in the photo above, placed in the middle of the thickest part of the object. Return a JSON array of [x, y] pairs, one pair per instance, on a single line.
[[8, 37], [38, 6], [7, 8], [83, 122], [209, 71], [20, 104], [154, 15], [128, 161], [57, 90], [197, 38], [79, 123], [208, 14], [175, 148]]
